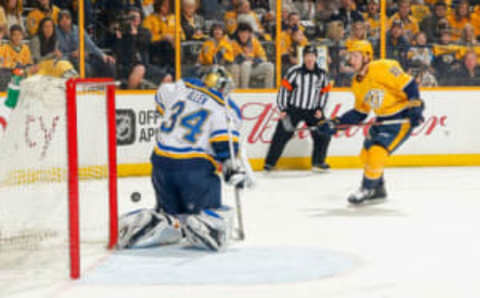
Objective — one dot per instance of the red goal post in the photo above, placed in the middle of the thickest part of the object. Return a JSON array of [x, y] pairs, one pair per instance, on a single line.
[[74, 86]]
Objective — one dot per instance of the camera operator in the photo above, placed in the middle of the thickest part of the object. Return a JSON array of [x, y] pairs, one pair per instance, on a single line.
[[130, 47]]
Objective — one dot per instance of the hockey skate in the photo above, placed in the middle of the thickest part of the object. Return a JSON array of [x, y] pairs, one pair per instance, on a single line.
[[366, 196]]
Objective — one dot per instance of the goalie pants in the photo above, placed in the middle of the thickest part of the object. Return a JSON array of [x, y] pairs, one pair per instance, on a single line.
[[282, 136], [185, 186]]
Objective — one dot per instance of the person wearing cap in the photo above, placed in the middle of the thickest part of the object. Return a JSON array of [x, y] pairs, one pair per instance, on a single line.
[[250, 60], [372, 20], [302, 97], [383, 87], [97, 63]]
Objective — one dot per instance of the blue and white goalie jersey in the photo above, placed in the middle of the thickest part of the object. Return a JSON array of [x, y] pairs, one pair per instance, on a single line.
[[195, 126]]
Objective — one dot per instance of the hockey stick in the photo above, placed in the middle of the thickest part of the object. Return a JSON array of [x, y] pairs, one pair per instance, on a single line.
[[345, 126], [287, 124], [286, 121], [238, 205]]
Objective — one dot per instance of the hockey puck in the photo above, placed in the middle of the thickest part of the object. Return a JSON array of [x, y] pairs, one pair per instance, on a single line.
[[135, 196]]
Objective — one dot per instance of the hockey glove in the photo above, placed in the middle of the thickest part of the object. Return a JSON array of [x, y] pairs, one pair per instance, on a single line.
[[329, 127], [233, 176], [415, 114]]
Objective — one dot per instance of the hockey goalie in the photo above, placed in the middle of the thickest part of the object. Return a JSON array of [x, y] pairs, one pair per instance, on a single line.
[[199, 133]]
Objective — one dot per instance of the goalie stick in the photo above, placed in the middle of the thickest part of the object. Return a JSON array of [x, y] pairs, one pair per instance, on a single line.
[[237, 188]]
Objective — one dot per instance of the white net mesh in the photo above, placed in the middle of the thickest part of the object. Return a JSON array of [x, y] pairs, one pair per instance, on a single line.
[[34, 214]]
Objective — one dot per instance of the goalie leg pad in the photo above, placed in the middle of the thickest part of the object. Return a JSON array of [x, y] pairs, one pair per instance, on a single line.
[[146, 228], [206, 230]]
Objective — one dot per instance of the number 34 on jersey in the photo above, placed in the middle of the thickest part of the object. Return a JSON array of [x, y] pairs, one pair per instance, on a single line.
[[195, 122]]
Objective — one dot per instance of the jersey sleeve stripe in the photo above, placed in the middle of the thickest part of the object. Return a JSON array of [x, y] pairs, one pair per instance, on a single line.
[[222, 138], [223, 131]]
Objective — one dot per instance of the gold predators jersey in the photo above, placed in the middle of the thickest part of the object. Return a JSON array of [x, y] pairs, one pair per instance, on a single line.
[[11, 56], [36, 16], [210, 48], [381, 89]]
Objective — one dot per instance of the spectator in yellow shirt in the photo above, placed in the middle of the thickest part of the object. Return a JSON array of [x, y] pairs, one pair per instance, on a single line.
[[161, 24], [372, 19], [11, 14], [218, 49], [459, 19], [290, 54], [250, 59], [43, 9], [419, 10], [230, 18], [14, 53], [410, 24], [293, 22]]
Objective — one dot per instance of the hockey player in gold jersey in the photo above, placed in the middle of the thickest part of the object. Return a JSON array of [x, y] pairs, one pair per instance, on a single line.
[[383, 87]]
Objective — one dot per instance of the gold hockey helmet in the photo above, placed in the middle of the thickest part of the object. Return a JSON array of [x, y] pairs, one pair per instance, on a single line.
[[362, 46], [219, 79]]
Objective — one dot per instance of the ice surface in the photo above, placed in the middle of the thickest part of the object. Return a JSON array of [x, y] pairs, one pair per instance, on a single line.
[[302, 240]]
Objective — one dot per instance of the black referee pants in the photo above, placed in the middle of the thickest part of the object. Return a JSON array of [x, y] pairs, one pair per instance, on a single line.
[[282, 136]]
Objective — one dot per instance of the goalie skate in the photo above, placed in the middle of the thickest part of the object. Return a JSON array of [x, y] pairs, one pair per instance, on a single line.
[[206, 230]]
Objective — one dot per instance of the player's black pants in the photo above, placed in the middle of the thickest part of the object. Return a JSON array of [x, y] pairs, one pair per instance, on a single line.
[[282, 136]]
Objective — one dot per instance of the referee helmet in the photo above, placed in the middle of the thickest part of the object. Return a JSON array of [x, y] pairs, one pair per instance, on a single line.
[[310, 49]]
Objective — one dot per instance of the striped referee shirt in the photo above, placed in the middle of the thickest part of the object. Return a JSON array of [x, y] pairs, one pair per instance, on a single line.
[[304, 89]]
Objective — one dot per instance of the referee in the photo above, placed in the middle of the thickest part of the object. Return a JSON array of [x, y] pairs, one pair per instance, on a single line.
[[302, 97]]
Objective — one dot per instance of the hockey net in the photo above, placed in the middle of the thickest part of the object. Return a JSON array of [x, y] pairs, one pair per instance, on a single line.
[[58, 176]]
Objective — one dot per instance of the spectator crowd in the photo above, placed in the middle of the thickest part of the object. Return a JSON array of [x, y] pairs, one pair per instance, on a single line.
[[134, 41]]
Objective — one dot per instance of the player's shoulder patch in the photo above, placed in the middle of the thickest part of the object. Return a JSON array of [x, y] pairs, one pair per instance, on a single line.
[[384, 66]]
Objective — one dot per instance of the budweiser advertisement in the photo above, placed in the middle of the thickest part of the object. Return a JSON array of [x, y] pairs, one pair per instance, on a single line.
[[450, 126]]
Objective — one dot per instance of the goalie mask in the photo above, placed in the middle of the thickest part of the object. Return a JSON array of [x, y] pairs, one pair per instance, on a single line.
[[218, 79]]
